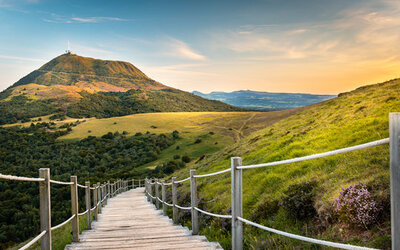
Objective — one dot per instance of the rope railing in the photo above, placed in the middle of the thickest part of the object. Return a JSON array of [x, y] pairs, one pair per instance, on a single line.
[[183, 180], [321, 155], [81, 186], [212, 174], [303, 238], [19, 178], [63, 223], [214, 215], [34, 240], [61, 182], [184, 208], [83, 213]]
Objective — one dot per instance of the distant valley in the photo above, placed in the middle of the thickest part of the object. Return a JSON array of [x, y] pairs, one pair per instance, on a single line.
[[257, 100]]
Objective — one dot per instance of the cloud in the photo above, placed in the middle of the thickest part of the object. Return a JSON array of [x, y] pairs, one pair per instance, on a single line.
[[179, 49], [54, 18], [22, 58]]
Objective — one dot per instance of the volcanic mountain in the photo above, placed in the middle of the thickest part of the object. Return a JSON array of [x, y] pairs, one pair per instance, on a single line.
[[85, 87]]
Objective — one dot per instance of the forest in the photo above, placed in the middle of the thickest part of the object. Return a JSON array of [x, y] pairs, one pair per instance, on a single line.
[[96, 159]]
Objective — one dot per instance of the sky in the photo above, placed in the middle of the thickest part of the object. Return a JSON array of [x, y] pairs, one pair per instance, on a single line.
[[299, 46]]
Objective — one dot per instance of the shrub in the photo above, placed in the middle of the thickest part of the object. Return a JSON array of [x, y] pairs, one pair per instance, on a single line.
[[186, 159], [177, 157], [356, 206], [299, 200], [177, 147], [198, 140]]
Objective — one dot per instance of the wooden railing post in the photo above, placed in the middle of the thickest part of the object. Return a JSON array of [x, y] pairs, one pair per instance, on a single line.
[[175, 214], [164, 206], [88, 206], [151, 191], [237, 205], [146, 189], [133, 183], [105, 193], [74, 209], [157, 194], [139, 183], [394, 131], [96, 210], [193, 198], [99, 197], [45, 208], [108, 190]]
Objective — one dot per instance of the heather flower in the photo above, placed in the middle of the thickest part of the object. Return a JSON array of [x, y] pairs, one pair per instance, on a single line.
[[356, 206]]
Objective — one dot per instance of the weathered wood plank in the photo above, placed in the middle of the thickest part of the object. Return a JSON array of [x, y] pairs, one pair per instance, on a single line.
[[128, 221]]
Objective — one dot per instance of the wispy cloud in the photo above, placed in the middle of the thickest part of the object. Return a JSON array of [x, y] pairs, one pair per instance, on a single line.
[[21, 58], [54, 18], [179, 49]]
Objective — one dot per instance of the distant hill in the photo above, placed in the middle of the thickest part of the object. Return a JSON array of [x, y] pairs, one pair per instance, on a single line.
[[79, 86], [257, 100]]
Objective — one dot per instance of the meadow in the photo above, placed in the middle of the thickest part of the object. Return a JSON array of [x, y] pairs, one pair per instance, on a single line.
[[353, 118]]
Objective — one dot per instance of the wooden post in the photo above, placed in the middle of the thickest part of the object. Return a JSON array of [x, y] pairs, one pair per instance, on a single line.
[[108, 190], [175, 214], [146, 189], [139, 182], [99, 197], [105, 193], [237, 205], [394, 131], [45, 208], [151, 192], [157, 194], [74, 209], [133, 183], [88, 206], [96, 211], [193, 198], [164, 206]]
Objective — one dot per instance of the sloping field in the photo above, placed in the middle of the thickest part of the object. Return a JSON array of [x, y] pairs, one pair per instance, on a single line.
[[353, 118]]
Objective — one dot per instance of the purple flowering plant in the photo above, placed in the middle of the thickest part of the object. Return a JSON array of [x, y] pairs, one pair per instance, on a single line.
[[356, 206]]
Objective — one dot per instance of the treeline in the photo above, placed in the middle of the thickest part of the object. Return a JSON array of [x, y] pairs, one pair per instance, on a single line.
[[21, 108], [109, 104], [23, 151]]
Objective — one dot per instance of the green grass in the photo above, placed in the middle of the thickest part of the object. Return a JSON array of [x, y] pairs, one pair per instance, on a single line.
[[354, 118], [226, 128], [60, 237]]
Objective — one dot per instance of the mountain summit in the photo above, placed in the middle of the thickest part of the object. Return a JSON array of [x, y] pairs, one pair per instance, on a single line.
[[84, 87], [69, 74]]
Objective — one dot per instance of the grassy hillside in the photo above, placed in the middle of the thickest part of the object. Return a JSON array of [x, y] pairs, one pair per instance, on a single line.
[[353, 118], [216, 130]]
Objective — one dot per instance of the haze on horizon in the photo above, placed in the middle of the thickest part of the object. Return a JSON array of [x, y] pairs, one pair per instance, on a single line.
[[310, 46]]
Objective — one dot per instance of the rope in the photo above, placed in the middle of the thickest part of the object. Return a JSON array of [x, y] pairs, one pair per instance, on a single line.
[[169, 205], [81, 186], [62, 224], [212, 214], [83, 213], [92, 209], [298, 237], [211, 174], [184, 208], [18, 178], [61, 183], [183, 180], [316, 156], [159, 200], [167, 183], [33, 241]]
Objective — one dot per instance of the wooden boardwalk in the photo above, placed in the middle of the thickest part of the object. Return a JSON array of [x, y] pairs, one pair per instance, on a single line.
[[128, 221]]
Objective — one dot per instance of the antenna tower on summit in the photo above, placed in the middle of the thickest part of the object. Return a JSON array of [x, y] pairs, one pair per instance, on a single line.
[[68, 51]]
